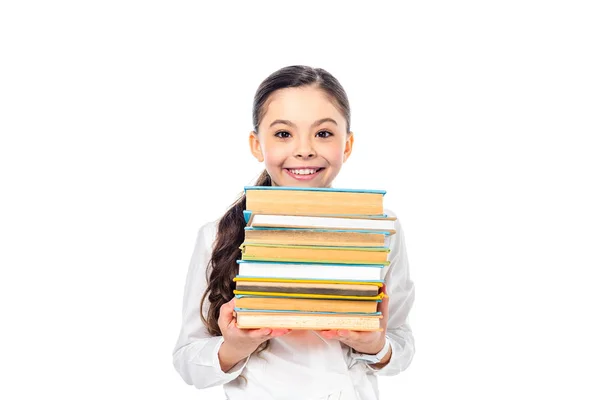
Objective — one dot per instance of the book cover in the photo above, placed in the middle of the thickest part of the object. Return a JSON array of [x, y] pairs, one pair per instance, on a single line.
[[314, 189], [378, 283], [309, 295]]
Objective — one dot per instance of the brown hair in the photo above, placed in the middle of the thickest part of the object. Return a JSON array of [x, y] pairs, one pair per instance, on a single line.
[[230, 234]]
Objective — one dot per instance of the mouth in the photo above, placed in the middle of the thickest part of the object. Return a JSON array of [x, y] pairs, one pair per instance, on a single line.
[[303, 174]]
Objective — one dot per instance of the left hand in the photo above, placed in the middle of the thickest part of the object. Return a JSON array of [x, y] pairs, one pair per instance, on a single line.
[[366, 342]]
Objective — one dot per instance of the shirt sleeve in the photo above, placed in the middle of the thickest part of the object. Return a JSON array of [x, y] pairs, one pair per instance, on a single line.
[[195, 356], [401, 292]]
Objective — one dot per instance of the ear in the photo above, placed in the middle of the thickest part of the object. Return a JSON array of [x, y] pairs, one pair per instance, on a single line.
[[349, 144], [255, 147]]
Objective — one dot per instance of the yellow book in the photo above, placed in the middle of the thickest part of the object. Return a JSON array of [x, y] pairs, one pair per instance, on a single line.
[[317, 254], [303, 304], [342, 288], [314, 237], [311, 321], [309, 295], [310, 201]]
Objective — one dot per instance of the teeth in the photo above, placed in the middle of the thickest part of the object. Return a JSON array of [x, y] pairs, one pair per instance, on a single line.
[[303, 171]]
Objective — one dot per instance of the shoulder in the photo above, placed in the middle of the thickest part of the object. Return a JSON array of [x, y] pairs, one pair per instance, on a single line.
[[205, 239], [208, 232]]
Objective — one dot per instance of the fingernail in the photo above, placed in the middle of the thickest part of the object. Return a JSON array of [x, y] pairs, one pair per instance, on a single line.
[[267, 332]]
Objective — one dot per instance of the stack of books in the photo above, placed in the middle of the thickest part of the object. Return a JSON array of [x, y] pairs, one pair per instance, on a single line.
[[312, 258]]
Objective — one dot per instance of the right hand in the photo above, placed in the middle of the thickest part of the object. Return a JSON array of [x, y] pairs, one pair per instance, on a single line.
[[243, 341]]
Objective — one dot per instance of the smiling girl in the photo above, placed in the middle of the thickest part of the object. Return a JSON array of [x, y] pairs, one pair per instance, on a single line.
[[301, 132]]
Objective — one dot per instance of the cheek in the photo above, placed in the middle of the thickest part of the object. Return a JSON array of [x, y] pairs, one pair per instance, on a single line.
[[334, 155], [274, 156]]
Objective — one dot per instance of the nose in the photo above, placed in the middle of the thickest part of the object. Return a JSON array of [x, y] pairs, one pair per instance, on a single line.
[[304, 149]]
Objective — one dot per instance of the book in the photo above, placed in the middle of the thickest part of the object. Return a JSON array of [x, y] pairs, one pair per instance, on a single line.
[[308, 296], [299, 200], [291, 270], [316, 254], [314, 321], [355, 223], [315, 237], [361, 289], [312, 258], [302, 304]]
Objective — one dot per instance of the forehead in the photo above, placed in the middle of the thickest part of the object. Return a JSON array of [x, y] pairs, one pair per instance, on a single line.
[[301, 105]]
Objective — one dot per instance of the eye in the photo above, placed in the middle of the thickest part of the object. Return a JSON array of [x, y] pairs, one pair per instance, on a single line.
[[324, 134], [283, 134]]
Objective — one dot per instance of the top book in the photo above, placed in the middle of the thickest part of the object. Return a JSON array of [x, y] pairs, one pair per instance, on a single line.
[[285, 200]]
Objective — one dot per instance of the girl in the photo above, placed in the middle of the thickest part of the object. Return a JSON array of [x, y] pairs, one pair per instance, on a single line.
[[302, 134]]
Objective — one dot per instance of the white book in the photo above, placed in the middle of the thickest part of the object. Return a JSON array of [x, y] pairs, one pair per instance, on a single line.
[[383, 224], [262, 269]]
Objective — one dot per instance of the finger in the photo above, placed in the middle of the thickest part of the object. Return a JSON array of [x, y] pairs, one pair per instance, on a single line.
[[266, 333], [279, 332], [328, 334], [352, 336], [384, 309], [261, 333]]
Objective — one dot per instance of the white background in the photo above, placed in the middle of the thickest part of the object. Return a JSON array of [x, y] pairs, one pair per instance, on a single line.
[[124, 128]]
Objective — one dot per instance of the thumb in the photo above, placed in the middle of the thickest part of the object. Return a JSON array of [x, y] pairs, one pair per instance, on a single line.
[[384, 308], [226, 312]]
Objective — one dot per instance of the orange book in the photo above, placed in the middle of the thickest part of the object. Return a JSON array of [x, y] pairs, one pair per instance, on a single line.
[[300, 304], [317, 254], [312, 321], [304, 201], [314, 237]]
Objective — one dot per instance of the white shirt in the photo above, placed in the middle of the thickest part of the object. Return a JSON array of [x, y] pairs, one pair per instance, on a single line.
[[300, 365]]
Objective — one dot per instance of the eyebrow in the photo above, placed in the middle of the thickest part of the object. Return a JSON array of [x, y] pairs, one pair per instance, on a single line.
[[290, 123]]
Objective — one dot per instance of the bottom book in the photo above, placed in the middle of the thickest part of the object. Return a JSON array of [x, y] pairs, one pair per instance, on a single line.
[[313, 321]]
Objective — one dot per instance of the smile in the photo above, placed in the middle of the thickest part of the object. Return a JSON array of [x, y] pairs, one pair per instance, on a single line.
[[303, 173]]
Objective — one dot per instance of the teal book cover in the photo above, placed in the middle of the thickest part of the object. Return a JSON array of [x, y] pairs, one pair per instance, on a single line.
[[307, 312], [314, 189], [314, 297], [265, 228]]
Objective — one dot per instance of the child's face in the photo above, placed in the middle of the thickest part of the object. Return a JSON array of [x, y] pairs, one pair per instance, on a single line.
[[302, 138]]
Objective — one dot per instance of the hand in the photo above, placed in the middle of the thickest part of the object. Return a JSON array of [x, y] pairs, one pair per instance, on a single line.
[[240, 343], [362, 341]]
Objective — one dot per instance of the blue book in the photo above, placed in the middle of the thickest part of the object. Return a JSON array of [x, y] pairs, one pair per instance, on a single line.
[[249, 228], [314, 189], [306, 312]]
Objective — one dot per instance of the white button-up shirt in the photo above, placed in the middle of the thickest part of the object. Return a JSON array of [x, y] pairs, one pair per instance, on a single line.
[[300, 365]]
